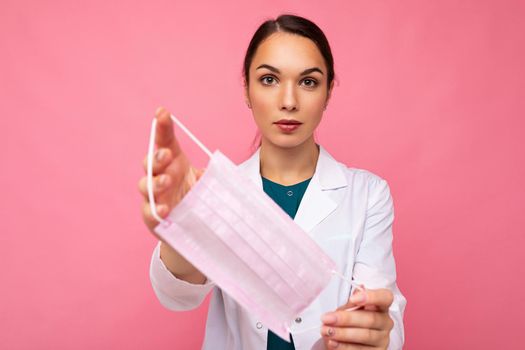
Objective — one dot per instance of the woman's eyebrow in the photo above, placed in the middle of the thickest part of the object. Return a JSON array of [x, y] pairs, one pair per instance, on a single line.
[[305, 72]]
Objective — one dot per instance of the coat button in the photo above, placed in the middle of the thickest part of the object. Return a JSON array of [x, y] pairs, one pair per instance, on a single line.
[[258, 325], [298, 320]]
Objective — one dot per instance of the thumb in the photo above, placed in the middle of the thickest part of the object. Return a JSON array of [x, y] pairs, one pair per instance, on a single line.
[[373, 299], [353, 302], [164, 135]]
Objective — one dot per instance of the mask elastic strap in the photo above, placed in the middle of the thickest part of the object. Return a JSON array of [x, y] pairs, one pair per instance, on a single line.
[[358, 286], [192, 137], [151, 150]]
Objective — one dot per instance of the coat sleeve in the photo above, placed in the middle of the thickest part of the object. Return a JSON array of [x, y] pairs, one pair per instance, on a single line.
[[375, 265], [173, 293]]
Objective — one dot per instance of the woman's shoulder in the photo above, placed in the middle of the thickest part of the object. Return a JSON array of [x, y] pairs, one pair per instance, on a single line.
[[368, 183], [356, 175], [361, 174]]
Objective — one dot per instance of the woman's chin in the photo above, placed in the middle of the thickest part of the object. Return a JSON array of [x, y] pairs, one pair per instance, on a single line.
[[287, 141]]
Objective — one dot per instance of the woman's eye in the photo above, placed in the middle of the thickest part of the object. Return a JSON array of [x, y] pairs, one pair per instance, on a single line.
[[268, 80], [310, 82]]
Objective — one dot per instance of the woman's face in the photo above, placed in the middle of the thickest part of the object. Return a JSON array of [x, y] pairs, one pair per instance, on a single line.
[[288, 78]]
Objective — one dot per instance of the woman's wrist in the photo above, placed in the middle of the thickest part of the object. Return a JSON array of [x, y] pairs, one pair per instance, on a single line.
[[179, 266]]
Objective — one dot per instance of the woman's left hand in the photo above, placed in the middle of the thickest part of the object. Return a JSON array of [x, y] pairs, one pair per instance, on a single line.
[[365, 328]]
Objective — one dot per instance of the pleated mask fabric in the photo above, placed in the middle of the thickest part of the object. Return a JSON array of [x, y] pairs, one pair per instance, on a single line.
[[238, 237]]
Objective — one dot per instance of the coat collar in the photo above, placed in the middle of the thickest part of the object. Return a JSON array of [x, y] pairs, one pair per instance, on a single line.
[[317, 202]]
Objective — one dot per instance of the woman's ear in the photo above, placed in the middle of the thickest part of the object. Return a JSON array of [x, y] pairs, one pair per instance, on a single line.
[[329, 94], [247, 95]]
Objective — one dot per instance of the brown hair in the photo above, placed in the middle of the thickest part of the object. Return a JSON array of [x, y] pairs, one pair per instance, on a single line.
[[289, 23]]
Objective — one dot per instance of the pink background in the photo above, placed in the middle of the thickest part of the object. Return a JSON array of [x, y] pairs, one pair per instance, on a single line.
[[430, 97]]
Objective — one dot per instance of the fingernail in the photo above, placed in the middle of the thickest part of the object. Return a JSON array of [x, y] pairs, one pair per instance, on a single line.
[[329, 318], [160, 155], [330, 332], [163, 180], [358, 297]]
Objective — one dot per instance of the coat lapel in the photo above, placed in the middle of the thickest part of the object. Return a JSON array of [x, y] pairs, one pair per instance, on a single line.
[[317, 202]]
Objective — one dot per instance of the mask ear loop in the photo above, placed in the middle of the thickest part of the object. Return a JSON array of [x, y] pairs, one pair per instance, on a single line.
[[360, 287], [151, 150]]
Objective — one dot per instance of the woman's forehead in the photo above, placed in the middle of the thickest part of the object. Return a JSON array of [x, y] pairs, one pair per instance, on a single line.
[[288, 52]]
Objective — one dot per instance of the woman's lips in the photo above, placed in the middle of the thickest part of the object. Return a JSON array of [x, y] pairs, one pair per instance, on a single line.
[[288, 126]]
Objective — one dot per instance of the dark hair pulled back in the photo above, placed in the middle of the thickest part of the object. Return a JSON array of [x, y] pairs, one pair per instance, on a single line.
[[293, 24]]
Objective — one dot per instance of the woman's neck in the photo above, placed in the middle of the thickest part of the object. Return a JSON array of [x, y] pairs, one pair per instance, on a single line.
[[288, 166]]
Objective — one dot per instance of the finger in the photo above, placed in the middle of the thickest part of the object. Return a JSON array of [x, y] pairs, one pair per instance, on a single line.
[[363, 336], [358, 318], [369, 299], [380, 298], [165, 137], [161, 160], [333, 344], [161, 183], [149, 219]]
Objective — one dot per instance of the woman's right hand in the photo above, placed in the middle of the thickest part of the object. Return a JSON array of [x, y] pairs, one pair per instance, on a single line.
[[173, 175]]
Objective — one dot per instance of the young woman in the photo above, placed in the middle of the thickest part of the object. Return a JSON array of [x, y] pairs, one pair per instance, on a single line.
[[289, 72]]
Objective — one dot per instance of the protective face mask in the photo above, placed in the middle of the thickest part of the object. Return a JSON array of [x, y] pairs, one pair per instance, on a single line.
[[238, 237]]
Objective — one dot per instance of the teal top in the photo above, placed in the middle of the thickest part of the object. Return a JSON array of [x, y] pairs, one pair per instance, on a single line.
[[288, 198]]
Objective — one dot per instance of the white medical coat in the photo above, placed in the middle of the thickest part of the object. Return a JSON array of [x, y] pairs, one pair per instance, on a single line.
[[349, 212]]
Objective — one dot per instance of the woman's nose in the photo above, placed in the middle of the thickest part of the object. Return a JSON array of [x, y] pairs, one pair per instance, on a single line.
[[288, 97]]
